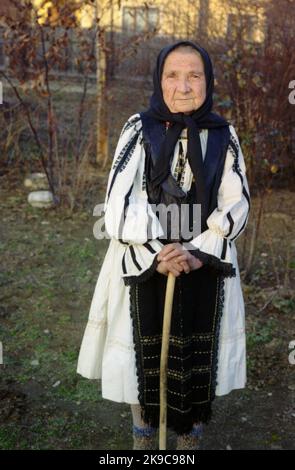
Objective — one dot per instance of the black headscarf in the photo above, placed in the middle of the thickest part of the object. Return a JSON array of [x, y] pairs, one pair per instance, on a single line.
[[202, 118]]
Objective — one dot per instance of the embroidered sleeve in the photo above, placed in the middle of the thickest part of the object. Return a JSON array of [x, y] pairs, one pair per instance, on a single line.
[[128, 143], [140, 261], [128, 215], [228, 220]]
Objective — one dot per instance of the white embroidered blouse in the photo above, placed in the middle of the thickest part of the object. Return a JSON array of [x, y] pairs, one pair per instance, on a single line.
[[107, 350]]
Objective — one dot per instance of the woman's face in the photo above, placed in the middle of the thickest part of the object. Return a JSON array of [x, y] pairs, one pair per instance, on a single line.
[[183, 82]]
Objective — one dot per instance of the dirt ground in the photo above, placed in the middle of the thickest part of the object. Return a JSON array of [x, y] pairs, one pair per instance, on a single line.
[[49, 266]]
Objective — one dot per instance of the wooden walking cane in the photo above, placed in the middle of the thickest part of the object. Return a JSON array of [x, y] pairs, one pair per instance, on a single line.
[[164, 360]]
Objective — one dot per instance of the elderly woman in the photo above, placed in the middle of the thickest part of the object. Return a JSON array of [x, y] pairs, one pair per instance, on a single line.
[[178, 153]]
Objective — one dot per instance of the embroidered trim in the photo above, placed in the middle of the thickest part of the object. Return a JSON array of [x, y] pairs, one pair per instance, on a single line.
[[220, 309], [131, 121], [199, 411], [133, 256], [123, 215], [178, 341], [97, 324], [143, 184], [217, 230], [120, 162], [225, 268], [124, 264], [129, 154], [117, 343], [234, 149], [131, 280], [133, 297], [224, 248], [148, 246], [123, 153], [231, 223]]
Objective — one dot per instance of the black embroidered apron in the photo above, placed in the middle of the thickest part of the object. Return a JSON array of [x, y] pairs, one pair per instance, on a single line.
[[196, 314]]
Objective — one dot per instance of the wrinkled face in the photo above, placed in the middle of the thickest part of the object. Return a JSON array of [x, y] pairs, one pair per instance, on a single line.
[[183, 81]]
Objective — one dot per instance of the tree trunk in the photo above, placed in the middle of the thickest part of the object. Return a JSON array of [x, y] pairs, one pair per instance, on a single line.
[[101, 97]]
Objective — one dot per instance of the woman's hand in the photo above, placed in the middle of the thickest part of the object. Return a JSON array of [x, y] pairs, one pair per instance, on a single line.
[[180, 256], [164, 267]]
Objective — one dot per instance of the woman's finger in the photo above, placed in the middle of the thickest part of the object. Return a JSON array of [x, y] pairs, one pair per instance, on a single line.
[[174, 270], [178, 267], [168, 248], [181, 258], [185, 266], [172, 254]]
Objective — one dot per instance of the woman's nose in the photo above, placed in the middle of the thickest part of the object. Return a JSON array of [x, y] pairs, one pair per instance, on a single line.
[[184, 86]]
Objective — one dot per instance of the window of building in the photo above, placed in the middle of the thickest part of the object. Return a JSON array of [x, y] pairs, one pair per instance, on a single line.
[[138, 19]]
